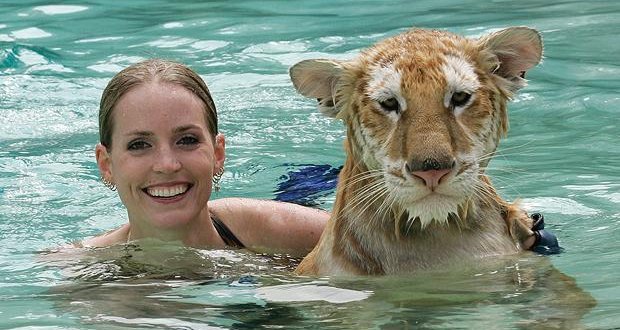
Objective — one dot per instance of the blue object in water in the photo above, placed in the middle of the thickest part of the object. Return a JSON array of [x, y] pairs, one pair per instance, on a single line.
[[304, 185], [546, 242]]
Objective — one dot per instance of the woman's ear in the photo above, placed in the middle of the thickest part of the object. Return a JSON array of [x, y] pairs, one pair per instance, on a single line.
[[103, 162], [219, 149]]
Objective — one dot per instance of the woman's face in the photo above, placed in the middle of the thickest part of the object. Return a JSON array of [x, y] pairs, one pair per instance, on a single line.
[[162, 158]]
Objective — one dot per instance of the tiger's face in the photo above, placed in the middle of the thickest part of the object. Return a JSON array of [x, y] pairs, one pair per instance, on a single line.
[[424, 112]]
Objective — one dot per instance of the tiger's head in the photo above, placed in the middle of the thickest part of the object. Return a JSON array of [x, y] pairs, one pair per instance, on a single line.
[[424, 112]]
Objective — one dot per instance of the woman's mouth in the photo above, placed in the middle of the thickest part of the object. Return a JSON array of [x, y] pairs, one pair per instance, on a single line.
[[167, 192]]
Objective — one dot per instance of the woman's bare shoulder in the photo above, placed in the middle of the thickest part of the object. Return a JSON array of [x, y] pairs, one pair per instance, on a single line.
[[240, 204], [271, 226], [115, 236], [257, 213]]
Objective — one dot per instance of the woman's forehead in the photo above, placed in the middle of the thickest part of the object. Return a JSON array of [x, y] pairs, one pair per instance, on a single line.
[[159, 105]]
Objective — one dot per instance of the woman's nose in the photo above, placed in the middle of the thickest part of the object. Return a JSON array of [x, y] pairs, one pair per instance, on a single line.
[[166, 161]]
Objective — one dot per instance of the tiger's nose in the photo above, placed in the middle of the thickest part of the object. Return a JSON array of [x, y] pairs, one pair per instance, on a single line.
[[431, 171], [431, 178]]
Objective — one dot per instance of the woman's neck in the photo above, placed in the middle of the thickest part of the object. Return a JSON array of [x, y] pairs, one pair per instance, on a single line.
[[199, 233]]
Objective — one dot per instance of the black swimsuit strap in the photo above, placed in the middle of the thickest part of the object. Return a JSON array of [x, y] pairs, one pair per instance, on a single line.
[[227, 236]]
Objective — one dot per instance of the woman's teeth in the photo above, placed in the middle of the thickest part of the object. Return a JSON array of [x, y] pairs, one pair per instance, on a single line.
[[167, 191]]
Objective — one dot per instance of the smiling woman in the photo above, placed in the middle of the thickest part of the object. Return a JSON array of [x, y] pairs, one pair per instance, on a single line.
[[161, 149]]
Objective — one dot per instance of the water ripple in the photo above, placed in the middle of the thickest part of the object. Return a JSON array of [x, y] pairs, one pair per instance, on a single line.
[[30, 33], [60, 9]]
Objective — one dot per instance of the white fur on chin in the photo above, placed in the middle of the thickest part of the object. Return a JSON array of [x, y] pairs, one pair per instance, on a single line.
[[432, 208]]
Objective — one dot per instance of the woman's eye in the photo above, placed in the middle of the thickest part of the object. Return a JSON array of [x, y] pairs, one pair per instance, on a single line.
[[137, 145], [188, 140], [390, 104], [459, 99]]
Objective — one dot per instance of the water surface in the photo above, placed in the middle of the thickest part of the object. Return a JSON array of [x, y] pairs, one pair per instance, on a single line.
[[561, 158]]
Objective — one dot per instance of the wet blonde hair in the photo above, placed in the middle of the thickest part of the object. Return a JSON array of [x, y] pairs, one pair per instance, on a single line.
[[146, 71]]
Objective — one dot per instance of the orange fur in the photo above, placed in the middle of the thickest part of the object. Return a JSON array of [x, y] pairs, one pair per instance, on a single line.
[[424, 112]]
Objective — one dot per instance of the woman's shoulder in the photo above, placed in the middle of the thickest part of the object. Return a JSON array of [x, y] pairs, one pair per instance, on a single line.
[[271, 226], [258, 212], [115, 236], [241, 214]]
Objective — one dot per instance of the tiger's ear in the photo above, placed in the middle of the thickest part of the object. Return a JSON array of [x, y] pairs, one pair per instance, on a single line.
[[516, 50], [318, 79]]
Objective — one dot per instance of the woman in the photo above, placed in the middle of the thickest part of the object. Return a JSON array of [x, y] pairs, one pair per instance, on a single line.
[[161, 149]]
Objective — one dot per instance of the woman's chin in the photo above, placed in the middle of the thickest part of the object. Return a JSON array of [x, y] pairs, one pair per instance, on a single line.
[[172, 220]]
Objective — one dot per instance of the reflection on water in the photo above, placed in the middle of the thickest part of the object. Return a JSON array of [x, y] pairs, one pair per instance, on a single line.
[[170, 286], [157, 260]]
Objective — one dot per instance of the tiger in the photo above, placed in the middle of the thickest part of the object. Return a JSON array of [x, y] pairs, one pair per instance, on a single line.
[[424, 112]]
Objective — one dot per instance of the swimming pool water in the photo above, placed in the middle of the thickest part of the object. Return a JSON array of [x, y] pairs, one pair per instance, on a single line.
[[561, 158]]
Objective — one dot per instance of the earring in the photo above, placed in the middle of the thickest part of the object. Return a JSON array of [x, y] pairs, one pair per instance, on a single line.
[[216, 179], [108, 184]]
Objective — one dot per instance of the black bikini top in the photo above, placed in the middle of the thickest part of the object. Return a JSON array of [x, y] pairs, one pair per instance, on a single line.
[[227, 236]]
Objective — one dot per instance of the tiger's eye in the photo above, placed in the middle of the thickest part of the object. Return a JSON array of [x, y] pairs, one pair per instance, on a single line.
[[459, 99], [390, 104]]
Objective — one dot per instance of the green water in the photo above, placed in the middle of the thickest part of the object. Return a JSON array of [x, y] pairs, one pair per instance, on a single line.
[[561, 158]]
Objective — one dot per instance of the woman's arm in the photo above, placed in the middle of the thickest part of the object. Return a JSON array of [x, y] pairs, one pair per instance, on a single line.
[[271, 227]]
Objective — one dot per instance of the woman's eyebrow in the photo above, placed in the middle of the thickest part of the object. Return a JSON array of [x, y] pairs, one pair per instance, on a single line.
[[139, 133], [179, 129], [185, 128]]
